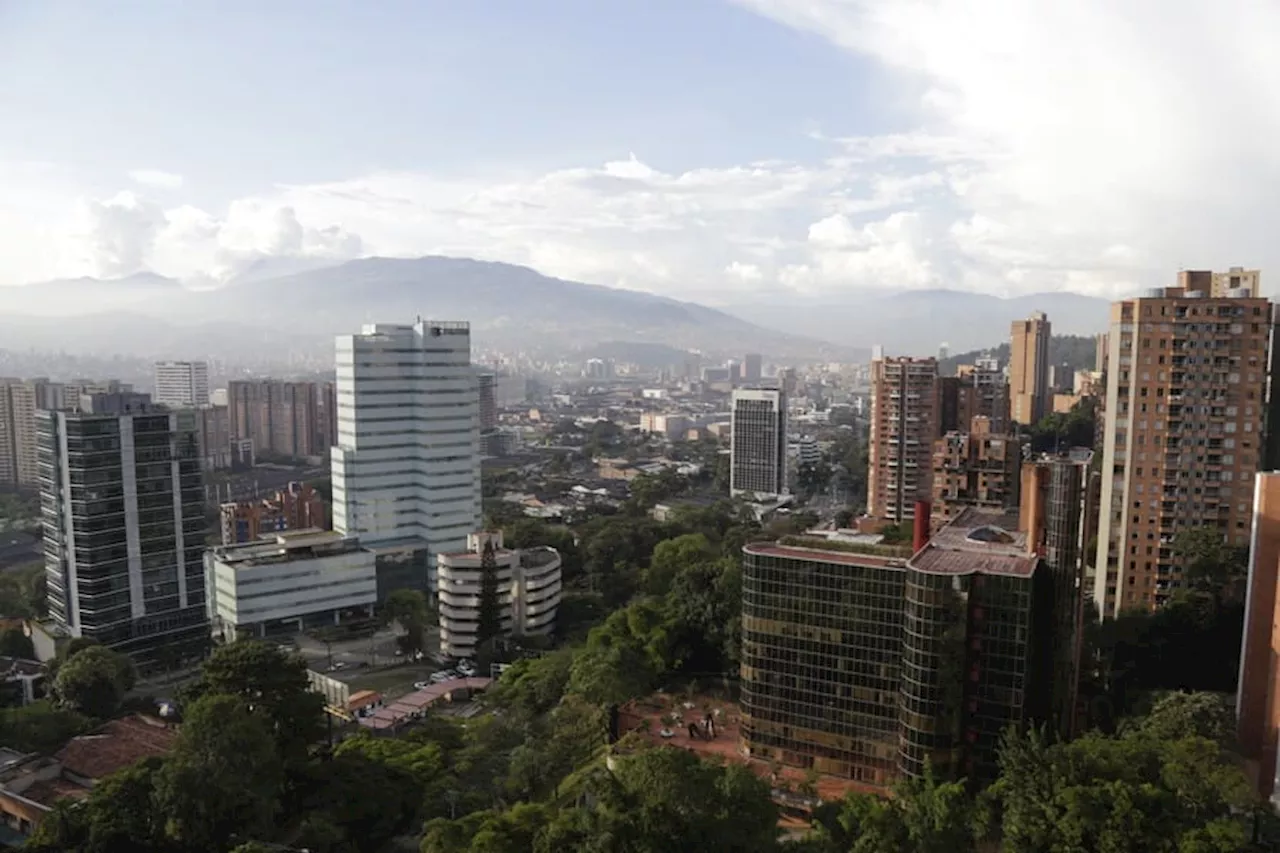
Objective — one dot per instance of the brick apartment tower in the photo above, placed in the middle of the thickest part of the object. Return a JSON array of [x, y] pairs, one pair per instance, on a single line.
[[1030, 396], [978, 467], [1187, 387], [1257, 702], [904, 422]]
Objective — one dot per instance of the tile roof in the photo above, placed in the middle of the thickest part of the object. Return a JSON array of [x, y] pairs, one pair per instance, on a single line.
[[116, 745], [978, 541]]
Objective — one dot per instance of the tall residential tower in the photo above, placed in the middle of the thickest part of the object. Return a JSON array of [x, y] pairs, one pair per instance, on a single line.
[[182, 384], [758, 455], [904, 423], [1030, 395]]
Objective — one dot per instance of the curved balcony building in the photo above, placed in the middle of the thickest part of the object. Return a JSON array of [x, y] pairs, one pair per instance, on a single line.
[[528, 582]]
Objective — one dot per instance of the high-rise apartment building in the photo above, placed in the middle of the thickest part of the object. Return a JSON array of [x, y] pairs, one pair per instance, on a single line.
[[488, 401], [904, 422], [406, 468], [752, 365], [18, 456], [281, 418], [182, 384], [213, 435], [1187, 385], [122, 500], [758, 442], [1258, 688], [1029, 388], [977, 467], [873, 662]]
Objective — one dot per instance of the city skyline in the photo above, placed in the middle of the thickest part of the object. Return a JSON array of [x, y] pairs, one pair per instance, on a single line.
[[747, 151]]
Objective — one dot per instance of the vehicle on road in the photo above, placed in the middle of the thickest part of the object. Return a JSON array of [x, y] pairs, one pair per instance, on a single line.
[[466, 668]]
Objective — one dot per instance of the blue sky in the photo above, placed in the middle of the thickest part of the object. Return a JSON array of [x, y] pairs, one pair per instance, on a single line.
[[724, 150]]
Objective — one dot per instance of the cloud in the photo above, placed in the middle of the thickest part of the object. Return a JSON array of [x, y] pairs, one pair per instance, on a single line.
[[1081, 148], [156, 179], [1091, 146]]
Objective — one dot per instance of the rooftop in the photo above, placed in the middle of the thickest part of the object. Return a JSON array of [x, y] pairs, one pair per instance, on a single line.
[[979, 540], [799, 548], [116, 745], [286, 546]]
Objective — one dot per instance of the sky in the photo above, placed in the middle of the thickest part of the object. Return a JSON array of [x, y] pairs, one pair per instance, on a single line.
[[724, 151]]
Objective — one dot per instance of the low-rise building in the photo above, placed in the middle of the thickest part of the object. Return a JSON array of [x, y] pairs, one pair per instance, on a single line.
[[528, 582], [294, 582], [295, 507]]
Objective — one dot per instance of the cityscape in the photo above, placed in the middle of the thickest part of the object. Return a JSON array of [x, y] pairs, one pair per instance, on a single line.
[[855, 482]]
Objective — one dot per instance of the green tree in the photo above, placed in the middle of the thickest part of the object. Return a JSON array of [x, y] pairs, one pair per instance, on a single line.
[[224, 777], [844, 518], [489, 618], [40, 726], [673, 556], [271, 684], [532, 687], [93, 682], [15, 643], [118, 814], [1209, 564], [704, 611], [1176, 715], [624, 657], [408, 608]]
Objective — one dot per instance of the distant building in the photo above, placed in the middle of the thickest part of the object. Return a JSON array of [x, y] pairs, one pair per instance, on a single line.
[[752, 365], [528, 591], [904, 422], [406, 469], [182, 384], [974, 468], [488, 401], [19, 463], [295, 507], [758, 442], [123, 550], [213, 436], [670, 427], [1029, 386], [297, 581], [281, 418]]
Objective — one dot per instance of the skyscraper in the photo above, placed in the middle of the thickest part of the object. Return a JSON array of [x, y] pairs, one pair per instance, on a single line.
[[1030, 396], [406, 467], [904, 423], [1187, 386], [122, 501], [751, 367], [758, 445], [18, 405], [182, 384]]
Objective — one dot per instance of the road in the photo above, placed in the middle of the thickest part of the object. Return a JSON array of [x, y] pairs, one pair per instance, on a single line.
[[378, 650]]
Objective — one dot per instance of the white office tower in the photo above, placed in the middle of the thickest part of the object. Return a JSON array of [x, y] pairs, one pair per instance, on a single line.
[[406, 467], [182, 384], [758, 448]]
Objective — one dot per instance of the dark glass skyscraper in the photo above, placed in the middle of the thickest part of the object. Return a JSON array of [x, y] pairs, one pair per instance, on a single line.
[[874, 663], [122, 501]]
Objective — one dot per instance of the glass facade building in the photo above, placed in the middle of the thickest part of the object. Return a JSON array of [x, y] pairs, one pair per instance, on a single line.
[[877, 665], [122, 505]]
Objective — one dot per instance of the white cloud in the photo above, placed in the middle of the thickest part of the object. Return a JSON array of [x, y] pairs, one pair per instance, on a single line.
[[1090, 146], [157, 179]]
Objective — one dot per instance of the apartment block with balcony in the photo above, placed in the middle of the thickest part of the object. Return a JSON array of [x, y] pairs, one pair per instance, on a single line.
[[528, 582], [904, 423], [295, 507], [1188, 384], [1030, 394], [974, 468]]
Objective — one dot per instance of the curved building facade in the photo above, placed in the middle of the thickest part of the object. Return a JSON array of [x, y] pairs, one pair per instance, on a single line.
[[874, 663], [529, 588]]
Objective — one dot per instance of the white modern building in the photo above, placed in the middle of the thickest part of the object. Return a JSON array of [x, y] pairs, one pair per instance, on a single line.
[[182, 384], [758, 443], [528, 591], [406, 467], [293, 581]]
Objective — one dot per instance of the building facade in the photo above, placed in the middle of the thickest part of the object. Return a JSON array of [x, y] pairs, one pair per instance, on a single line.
[[281, 418], [758, 442], [213, 435], [974, 468], [182, 384], [406, 468], [297, 581], [295, 507], [528, 586], [872, 662], [1258, 689], [1187, 387], [122, 502], [752, 366], [904, 422], [19, 461], [1029, 388]]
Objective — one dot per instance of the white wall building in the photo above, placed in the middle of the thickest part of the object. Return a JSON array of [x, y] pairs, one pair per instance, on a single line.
[[294, 581], [182, 384], [528, 592], [406, 468]]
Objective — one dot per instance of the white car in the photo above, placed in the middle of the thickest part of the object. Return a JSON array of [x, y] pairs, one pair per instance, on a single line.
[[421, 685], [466, 668], [438, 677]]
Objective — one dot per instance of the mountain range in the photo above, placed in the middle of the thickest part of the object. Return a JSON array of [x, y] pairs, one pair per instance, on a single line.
[[297, 313]]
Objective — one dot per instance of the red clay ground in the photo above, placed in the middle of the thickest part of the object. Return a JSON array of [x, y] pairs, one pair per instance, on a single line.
[[727, 743]]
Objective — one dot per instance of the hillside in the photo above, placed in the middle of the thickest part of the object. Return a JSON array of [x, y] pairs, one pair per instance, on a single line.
[[1077, 352]]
